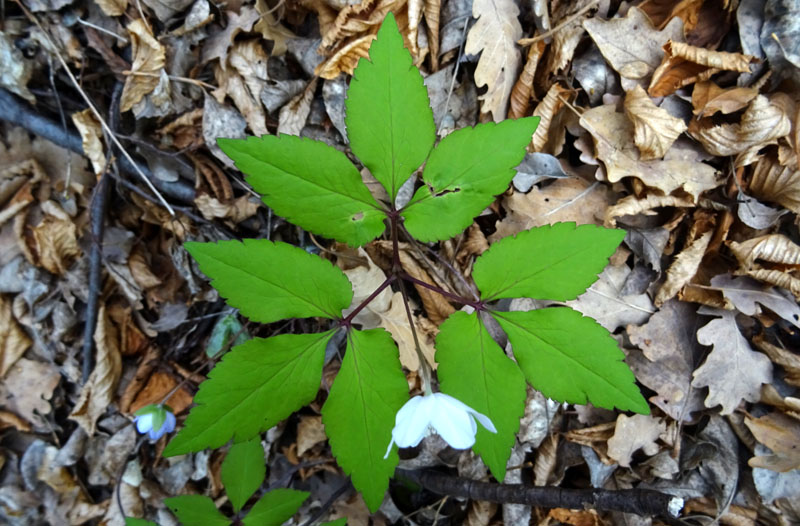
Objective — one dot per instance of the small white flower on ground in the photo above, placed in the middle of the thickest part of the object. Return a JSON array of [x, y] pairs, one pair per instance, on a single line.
[[155, 420], [452, 419]]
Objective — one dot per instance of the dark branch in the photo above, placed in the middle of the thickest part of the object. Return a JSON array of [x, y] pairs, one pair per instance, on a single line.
[[638, 501], [22, 114]]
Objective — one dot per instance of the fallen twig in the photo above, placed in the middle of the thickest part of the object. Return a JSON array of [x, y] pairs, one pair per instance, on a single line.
[[638, 501], [22, 114]]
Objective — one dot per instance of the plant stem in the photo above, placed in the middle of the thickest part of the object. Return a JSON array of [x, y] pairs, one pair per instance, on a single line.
[[424, 367], [443, 261], [349, 319], [477, 305]]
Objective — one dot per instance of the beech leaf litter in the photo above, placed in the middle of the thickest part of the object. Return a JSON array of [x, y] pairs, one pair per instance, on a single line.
[[677, 121]]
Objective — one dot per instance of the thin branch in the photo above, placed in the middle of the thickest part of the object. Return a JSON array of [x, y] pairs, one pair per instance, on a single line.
[[643, 502], [349, 319], [424, 366], [96, 113], [477, 305], [22, 114], [413, 242], [567, 21]]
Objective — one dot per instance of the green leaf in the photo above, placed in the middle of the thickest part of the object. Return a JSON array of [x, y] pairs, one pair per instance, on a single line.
[[309, 183], [389, 118], [571, 358], [463, 174], [474, 369], [196, 510], [270, 281], [226, 328], [130, 521], [275, 507], [338, 522], [360, 411], [243, 471], [554, 262], [255, 386]]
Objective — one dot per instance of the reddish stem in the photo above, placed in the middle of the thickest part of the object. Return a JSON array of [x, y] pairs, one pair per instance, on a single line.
[[349, 319], [477, 305]]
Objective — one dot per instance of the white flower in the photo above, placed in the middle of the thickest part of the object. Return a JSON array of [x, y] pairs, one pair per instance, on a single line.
[[155, 420], [452, 419]]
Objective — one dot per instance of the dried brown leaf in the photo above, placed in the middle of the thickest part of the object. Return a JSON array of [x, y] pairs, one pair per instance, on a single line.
[[310, 432], [112, 7], [779, 433], [480, 513], [520, 98], [575, 517], [777, 278], [272, 29], [140, 269], [733, 371], [355, 19], [149, 57], [234, 85], [708, 98], [785, 358], [547, 111], [608, 305], [546, 460], [395, 320], [772, 248], [668, 357], [388, 311], [494, 36], [15, 69], [13, 340], [9, 419], [99, 391], [20, 180], [562, 48], [631, 45], [780, 184], [216, 46], [237, 210], [54, 243], [27, 389], [91, 133], [632, 434], [764, 121], [631, 205], [249, 59], [684, 64], [683, 268], [613, 134], [654, 128], [346, 58], [414, 19], [432, 9], [293, 115], [437, 308]]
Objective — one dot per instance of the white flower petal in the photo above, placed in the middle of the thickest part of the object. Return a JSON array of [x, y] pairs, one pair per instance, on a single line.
[[389, 449], [484, 420], [459, 405], [455, 425], [412, 422]]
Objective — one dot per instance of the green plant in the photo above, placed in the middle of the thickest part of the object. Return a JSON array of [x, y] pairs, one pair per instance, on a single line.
[[260, 382]]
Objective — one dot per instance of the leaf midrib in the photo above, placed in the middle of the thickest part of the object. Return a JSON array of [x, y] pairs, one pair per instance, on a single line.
[[311, 182], [237, 405], [276, 285], [531, 276], [602, 378]]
